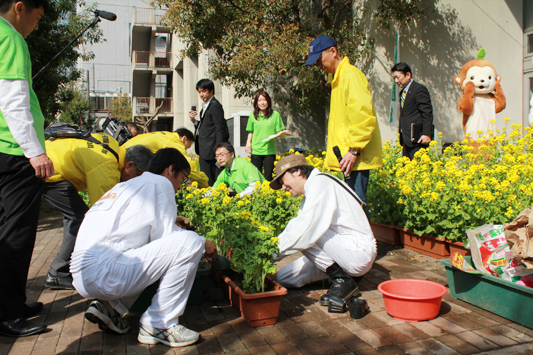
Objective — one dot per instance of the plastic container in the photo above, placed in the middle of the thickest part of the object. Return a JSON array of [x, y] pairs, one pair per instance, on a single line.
[[492, 294], [412, 300]]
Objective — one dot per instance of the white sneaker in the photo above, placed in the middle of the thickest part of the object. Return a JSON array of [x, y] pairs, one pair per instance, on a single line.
[[101, 313], [175, 336]]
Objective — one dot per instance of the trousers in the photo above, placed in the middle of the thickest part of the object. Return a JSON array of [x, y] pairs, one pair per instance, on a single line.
[[266, 162], [20, 200], [354, 256], [64, 196], [120, 277]]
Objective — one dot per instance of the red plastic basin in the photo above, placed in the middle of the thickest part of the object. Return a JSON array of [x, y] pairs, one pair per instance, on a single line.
[[412, 300]]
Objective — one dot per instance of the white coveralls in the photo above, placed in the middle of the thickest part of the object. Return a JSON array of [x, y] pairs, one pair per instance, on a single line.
[[331, 227], [129, 240]]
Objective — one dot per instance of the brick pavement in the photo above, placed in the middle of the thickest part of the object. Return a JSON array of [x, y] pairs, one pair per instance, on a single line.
[[304, 327]]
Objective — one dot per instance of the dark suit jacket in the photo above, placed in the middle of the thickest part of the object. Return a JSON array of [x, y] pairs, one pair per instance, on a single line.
[[211, 130], [416, 109]]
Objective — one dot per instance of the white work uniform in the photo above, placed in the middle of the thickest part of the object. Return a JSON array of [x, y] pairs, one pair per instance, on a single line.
[[129, 240], [331, 227]]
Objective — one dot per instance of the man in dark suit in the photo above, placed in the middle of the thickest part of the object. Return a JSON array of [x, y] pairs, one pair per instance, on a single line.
[[210, 130], [415, 108]]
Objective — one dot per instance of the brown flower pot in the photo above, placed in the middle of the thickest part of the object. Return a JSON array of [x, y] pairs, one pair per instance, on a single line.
[[386, 234], [427, 245], [458, 247], [261, 308], [231, 294]]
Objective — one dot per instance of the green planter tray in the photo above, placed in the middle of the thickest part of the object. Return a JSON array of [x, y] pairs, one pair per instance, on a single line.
[[490, 293]]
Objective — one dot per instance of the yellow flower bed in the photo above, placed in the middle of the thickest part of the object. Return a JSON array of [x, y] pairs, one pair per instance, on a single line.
[[445, 192]]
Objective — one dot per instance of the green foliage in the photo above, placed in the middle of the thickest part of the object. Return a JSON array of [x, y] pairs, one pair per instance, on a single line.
[[58, 27], [242, 231], [121, 107], [73, 104], [265, 43]]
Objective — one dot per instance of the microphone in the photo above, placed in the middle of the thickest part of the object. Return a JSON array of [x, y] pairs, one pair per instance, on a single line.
[[337, 153], [105, 14]]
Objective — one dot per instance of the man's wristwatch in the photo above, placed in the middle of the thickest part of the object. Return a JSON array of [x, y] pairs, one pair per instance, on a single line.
[[354, 151]]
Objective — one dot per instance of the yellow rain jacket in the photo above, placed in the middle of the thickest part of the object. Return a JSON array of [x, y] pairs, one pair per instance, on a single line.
[[86, 165], [352, 120], [161, 139]]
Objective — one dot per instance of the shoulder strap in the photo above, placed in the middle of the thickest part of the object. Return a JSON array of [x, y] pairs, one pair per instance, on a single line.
[[107, 147], [350, 191]]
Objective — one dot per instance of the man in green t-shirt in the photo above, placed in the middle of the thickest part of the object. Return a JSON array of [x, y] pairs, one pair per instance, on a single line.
[[238, 173], [24, 166]]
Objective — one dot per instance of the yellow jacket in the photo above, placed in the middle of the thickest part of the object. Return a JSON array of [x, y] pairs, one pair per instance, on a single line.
[[86, 165], [161, 139], [352, 120]]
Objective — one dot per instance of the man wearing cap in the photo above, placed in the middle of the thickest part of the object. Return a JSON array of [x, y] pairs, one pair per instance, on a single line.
[[352, 125], [331, 231]]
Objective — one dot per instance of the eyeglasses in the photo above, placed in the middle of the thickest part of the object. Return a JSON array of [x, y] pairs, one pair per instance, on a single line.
[[185, 178], [220, 154]]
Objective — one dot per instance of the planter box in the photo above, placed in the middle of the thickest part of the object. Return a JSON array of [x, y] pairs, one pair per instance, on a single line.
[[260, 308], [195, 297], [430, 246], [458, 247], [386, 234], [490, 293]]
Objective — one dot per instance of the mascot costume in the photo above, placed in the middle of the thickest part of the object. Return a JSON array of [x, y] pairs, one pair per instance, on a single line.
[[482, 96]]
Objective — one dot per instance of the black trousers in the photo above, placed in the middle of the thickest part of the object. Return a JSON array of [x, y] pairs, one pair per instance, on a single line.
[[209, 168], [266, 162], [20, 200], [410, 151], [63, 196]]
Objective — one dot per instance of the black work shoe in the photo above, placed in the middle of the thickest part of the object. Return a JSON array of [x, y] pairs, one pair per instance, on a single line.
[[342, 285], [58, 283], [33, 309], [20, 328]]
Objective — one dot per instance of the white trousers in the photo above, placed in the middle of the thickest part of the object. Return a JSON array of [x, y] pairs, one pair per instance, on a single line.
[[120, 280], [353, 255]]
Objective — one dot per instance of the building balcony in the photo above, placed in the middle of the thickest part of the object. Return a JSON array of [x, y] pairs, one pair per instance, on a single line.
[[146, 106], [147, 16], [152, 60]]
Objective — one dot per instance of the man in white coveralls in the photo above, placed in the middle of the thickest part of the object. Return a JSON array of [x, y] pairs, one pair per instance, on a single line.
[[331, 231], [129, 240]]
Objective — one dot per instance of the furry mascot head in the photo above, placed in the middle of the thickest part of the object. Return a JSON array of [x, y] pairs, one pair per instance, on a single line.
[[482, 96]]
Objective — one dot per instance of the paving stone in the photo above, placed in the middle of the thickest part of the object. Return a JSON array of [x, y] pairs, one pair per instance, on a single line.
[[410, 331], [447, 325], [429, 328], [391, 350], [512, 333], [276, 349], [477, 340], [464, 321], [495, 337], [436, 347], [458, 344], [373, 339]]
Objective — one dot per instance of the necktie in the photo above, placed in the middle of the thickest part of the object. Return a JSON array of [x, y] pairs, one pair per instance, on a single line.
[[403, 94]]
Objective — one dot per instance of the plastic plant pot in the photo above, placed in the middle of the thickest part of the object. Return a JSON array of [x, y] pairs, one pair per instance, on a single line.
[[412, 300]]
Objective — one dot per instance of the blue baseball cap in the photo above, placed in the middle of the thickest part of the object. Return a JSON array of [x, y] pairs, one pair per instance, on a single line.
[[317, 46]]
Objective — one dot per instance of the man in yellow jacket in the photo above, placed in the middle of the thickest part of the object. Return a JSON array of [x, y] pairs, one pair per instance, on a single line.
[[181, 139], [352, 126], [81, 165]]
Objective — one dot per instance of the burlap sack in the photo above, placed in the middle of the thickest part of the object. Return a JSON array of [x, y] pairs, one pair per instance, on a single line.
[[519, 235]]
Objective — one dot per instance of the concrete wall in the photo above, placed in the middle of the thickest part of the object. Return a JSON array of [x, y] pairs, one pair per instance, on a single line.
[[449, 35]]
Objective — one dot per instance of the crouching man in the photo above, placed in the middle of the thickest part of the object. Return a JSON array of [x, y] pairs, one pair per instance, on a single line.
[[331, 230], [129, 240]]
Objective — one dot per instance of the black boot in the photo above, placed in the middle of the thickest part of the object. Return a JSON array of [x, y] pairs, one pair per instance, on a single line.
[[342, 285]]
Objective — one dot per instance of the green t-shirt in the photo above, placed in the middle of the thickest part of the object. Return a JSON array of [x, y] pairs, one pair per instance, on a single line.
[[240, 177], [15, 64], [263, 128]]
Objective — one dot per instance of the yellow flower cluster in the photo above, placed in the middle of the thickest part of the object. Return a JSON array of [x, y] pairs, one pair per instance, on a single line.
[[443, 192]]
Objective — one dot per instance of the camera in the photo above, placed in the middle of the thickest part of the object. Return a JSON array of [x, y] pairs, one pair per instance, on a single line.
[[193, 108]]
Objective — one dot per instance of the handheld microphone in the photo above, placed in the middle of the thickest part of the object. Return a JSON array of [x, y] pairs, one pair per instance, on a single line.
[[337, 153], [105, 14]]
